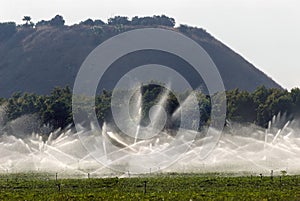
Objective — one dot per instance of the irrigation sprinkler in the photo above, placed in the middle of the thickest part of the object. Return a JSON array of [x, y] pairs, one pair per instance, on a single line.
[[145, 187], [272, 175], [283, 150], [280, 179], [58, 187], [261, 176]]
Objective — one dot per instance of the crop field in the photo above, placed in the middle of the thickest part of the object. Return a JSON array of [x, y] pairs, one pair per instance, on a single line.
[[174, 186]]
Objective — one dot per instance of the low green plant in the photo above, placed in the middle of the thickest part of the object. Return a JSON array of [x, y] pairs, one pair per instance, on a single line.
[[161, 187]]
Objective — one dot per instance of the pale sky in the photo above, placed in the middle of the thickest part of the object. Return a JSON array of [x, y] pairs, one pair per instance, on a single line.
[[265, 32]]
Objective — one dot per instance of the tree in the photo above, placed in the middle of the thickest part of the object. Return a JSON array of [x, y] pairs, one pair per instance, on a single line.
[[27, 19], [19, 105], [204, 107], [155, 20], [183, 28], [278, 101], [57, 110], [103, 106], [88, 22], [165, 21], [57, 21], [240, 106], [118, 20], [145, 21], [295, 95], [42, 23], [98, 23]]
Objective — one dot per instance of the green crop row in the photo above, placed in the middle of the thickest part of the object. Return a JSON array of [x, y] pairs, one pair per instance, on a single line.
[[164, 187]]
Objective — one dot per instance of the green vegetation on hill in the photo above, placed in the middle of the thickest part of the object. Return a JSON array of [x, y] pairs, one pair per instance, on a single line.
[[257, 107], [36, 57], [163, 187]]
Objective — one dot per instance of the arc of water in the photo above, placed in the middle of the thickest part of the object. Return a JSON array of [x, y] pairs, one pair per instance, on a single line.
[[280, 131], [104, 132]]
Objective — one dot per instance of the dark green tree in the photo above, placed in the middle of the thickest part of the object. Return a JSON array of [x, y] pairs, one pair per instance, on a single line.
[[295, 95], [58, 109], [42, 23], [118, 20], [98, 23], [103, 106], [240, 106], [27, 19], [57, 21], [88, 22]]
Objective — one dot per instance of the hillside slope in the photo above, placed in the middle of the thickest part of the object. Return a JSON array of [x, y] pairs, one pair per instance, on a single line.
[[38, 59]]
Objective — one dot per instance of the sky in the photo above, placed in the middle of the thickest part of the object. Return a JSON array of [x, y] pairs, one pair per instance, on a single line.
[[265, 32]]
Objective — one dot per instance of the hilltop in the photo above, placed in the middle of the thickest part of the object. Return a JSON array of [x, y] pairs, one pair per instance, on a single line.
[[37, 57]]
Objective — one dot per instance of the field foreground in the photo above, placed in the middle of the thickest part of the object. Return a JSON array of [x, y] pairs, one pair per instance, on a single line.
[[152, 187]]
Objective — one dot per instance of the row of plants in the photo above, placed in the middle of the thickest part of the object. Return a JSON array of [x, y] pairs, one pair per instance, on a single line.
[[162, 187]]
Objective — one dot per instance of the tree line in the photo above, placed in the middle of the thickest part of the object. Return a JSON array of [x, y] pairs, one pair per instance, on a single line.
[[256, 107], [116, 23], [58, 21]]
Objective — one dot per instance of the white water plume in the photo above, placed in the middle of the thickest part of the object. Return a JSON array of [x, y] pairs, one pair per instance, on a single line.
[[241, 149]]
